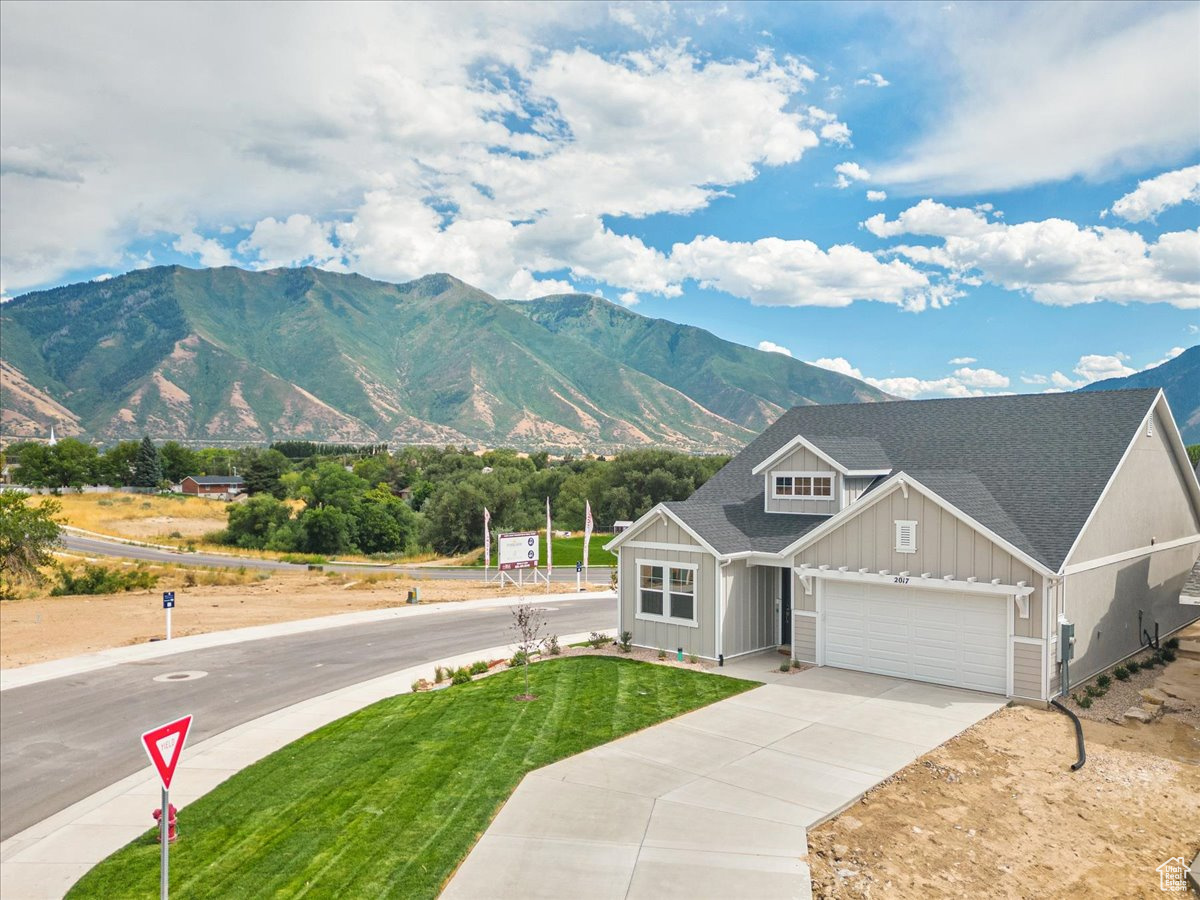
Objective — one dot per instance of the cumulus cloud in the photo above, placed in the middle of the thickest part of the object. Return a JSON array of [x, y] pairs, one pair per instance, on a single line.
[[209, 252], [1054, 261], [876, 196], [772, 347], [963, 360], [1046, 92], [873, 80], [962, 383], [836, 133], [848, 173], [297, 239], [1154, 195]]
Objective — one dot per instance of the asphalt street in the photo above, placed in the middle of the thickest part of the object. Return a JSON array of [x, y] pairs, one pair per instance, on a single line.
[[62, 740], [91, 546]]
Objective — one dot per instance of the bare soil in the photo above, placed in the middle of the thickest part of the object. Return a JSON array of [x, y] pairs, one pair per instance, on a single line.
[[45, 628], [996, 812]]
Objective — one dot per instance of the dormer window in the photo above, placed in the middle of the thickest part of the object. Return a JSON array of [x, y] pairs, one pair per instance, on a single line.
[[802, 485]]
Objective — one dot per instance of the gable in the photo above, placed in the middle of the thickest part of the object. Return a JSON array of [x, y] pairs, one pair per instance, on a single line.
[[1149, 500]]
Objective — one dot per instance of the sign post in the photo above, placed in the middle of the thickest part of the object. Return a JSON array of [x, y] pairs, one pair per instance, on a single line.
[[164, 745], [168, 605]]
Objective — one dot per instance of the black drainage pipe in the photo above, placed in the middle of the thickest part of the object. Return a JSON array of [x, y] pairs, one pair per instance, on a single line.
[[1078, 764]]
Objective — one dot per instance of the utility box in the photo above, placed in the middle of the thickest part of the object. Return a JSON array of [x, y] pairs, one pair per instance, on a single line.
[[414, 595], [1066, 653]]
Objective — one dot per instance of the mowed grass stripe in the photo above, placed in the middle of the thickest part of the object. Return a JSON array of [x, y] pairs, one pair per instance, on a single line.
[[387, 801]]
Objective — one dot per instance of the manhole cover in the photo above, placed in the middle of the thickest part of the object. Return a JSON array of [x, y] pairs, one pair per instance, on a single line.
[[181, 676]]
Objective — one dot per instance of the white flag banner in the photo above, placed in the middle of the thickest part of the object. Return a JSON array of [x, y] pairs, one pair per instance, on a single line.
[[549, 534], [487, 538], [587, 532]]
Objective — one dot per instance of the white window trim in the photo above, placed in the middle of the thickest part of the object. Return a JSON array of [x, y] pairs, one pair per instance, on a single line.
[[666, 566], [911, 523], [832, 476]]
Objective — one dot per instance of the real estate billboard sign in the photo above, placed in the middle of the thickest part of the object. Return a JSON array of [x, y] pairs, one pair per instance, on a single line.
[[518, 550]]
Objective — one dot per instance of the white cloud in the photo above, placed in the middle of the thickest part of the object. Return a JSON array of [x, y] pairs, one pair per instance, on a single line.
[[772, 347], [208, 251], [1054, 261], [1156, 194], [876, 196], [873, 80], [296, 240], [629, 298], [1097, 367], [1047, 92], [962, 383], [836, 133], [848, 173], [963, 360]]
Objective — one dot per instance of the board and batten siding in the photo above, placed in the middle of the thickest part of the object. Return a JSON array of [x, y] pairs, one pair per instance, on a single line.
[[749, 608], [663, 530], [856, 486], [700, 639], [1027, 669], [945, 546], [804, 641], [804, 460]]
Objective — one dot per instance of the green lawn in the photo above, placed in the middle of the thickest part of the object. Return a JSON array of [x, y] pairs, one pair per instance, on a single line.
[[386, 802], [568, 551]]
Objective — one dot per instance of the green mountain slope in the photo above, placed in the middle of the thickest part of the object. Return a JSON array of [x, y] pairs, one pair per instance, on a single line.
[[742, 384], [1180, 380], [230, 355]]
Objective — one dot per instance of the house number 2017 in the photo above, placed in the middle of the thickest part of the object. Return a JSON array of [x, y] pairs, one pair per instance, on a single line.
[[899, 580]]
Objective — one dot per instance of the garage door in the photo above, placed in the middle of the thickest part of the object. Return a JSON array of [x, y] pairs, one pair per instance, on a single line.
[[927, 635]]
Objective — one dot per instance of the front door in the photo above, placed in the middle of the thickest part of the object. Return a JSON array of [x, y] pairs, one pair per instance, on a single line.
[[785, 606]]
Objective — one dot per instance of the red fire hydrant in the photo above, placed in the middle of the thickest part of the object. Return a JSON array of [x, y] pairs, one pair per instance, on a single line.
[[171, 832]]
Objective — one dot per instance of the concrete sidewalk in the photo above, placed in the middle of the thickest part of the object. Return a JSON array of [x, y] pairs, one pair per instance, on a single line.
[[715, 803], [42, 862], [76, 665]]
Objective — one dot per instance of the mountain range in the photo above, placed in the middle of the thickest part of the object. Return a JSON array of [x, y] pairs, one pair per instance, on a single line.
[[228, 355], [1180, 380]]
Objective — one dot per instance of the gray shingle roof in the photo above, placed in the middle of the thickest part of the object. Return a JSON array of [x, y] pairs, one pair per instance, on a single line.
[[216, 479], [1029, 467]]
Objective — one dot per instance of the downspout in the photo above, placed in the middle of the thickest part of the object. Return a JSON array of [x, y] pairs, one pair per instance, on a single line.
[[720, 610]]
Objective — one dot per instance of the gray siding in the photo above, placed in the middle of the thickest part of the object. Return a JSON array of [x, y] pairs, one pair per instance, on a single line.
[[804, 643], [856, 486], [749, 608], [945, 546], [662, 530], [1027, 670], [1148, 500], [1104, 604], [803, 460], [701, 639]]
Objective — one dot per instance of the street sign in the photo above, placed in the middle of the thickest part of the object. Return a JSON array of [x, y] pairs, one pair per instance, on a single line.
[[168, 599], [164, 745], [579, 565]]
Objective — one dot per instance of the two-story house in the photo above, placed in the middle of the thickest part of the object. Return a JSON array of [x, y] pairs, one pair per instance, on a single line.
[[939, 540]]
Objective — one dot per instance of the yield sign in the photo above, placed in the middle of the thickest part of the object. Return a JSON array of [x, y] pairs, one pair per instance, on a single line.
[[164, 746]]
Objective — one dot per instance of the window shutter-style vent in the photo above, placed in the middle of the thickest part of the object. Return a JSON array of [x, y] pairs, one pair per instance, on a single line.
[[906, 536]]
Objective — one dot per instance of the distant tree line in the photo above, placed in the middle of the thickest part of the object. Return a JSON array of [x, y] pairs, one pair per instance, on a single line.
[[305, 449], [380, 502]]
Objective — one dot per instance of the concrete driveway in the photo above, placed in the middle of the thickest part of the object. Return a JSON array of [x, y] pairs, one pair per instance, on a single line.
[[715, 803]]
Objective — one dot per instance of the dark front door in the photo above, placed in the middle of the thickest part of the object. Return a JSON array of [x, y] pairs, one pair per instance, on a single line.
[[785, 606]]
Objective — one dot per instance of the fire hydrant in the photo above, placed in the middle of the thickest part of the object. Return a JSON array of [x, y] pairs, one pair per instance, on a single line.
[[171, 832]]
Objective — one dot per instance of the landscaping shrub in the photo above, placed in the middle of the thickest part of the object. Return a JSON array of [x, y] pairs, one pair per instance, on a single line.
[[1092, 691], [102, 580], [1134, 666], [785, 667], [796, 664], [598, 639], [518, 660], [1085, 702], [1121, 673], [478, 667], [626, 642], [662, 654], [416, 686], [439, 674], [460, 676], [1149, 662], [1104, 681], [552, 645], [1171, 643], [1167, 655], [693, 659]]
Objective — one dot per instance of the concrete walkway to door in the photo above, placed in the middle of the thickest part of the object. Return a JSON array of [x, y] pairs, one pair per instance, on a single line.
[[714, 803]]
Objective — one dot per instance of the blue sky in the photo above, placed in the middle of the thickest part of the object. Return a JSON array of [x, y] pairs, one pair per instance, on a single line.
[[943, 198]]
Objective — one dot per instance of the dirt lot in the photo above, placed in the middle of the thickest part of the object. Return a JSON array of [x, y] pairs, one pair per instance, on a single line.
[[142, 516], [996, 812], [46, 628]]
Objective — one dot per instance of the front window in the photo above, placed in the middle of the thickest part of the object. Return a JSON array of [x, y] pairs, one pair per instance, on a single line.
[[667, 592], [810, 486]]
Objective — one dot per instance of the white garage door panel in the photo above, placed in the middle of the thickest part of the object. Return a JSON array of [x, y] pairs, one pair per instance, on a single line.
[[936, 636]]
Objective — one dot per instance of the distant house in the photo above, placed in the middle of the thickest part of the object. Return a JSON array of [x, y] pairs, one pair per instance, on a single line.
[[219, 486], [620, 525]]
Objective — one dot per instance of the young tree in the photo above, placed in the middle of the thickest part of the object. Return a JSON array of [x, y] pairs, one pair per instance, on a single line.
[[178, 461], [28, 534], [147, 468], [528, 622]]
